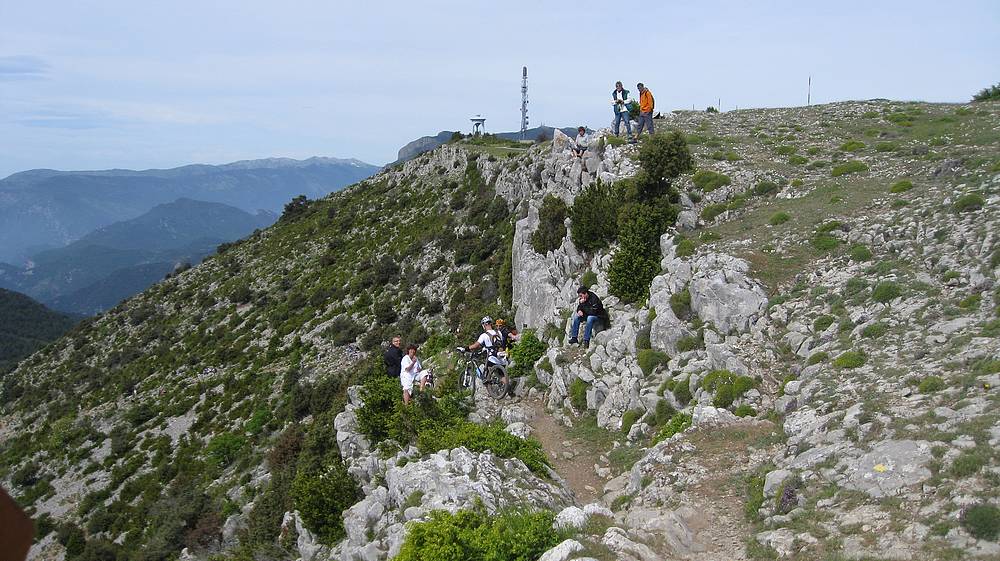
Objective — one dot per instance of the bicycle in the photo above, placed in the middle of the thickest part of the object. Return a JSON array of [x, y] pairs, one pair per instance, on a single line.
[[491, 373]]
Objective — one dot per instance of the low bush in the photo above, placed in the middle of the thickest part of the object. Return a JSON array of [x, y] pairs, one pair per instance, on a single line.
[[886, 147], [551, 225], [663, 413], [682, 391], [875, 330], [969, 462], [589, 278], [969, 202], [727, 386], [479, 438], [745, 410], [525, 353], [860, 253], [786, 150], [685, 248], [901, 186], [709, 181], [224, 448], [766, 188], [797, 160], [680, 304], [650, 359], [886, 291], [982, 521], [578, 394], [822, 322], [850, 359], [991, 93], [970, 302], [779, 218], [594, 215], [824, 242], [931, 384], [690, 343], [629, 419], [710, 212], [853, 166], [678, 423], [509, 535], [817, 358], [322, 498], [852, 146]]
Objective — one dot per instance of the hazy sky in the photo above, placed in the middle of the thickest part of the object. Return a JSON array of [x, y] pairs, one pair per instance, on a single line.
[[100, 84]]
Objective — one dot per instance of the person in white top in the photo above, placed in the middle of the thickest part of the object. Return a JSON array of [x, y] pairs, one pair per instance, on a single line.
[[410, 370], [580, 148], [487, 340]]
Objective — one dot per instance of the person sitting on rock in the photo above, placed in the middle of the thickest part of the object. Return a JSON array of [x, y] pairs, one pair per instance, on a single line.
[[580, 148], [410, 371], [589, 309]]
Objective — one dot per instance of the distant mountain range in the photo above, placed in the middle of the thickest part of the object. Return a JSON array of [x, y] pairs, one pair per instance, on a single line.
[[100, 269], [26, 326], [427, 143], [48, 209]]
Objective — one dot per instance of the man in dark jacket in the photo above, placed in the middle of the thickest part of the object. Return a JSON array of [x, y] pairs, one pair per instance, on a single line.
[[589, 310], [393, 357]]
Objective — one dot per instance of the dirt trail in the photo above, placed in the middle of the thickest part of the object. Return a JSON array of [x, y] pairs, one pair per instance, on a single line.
[[578, 470]]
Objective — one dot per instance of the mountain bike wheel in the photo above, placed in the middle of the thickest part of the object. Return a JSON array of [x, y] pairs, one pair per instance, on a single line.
[[495, 385]]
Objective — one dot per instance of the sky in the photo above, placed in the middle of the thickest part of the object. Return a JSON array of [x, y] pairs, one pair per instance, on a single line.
[[90, 84]]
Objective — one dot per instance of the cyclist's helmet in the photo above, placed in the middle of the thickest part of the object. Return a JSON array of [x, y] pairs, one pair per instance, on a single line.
[[500, 323], [485, 320]]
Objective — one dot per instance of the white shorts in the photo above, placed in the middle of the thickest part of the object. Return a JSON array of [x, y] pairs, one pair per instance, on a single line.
[[407, 380]]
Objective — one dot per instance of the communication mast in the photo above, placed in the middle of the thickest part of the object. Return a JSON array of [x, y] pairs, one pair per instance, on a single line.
[[524, 101]]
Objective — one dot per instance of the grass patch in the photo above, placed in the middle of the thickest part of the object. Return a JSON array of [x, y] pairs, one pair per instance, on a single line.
[[901, 186], [650, 359], [931, 384], [886, 291], [875, 330], [850, 359], [852, 146], [779, 218], [969, 203], [817, 358], [853, 166], [860, 253], [709, 181]]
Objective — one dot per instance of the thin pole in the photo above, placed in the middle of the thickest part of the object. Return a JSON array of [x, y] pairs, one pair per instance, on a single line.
[[809, 91]]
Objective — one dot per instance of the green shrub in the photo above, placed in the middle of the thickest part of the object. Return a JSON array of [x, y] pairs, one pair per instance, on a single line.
[[991, 93], [479, 438], [969, 463], [875, 330], [901, 186], [224, 448], [766, 188], [642, 339], [969, 202], [578, 394], [860, 253], [510, 535], [662, 158], [727, 386], [797, 160], [680, 303], [982, 521], [850, 359], [637, 259], [629, 419], [589, 278], [594, 215], [710, 212], [755, 495], [551, 225], [786, 150], [886, 291], [321, 498], [852, 146], [886, 147], [689, 343], [779, 218], [649, 359], [682, 391], [663, 413], [970, 302], [824, 242], [853, 166], [525, 353], [822, 322], [678, 423], [709, 181], [931, 384], [817, 358], [745, 410], [685, 248]]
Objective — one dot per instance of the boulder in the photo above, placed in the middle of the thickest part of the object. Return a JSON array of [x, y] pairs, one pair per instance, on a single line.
[[889, 468], [565, 550]]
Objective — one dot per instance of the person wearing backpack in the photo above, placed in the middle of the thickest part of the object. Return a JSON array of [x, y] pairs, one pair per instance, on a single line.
[[589, 310], [620, 102], [490, 340], [646, 105]]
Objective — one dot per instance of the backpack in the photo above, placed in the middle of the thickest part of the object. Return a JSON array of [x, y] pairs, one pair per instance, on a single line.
[[501, 341]]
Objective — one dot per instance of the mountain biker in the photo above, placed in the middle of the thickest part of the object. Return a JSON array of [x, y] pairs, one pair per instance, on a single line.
[[490, 340], [411, 370]]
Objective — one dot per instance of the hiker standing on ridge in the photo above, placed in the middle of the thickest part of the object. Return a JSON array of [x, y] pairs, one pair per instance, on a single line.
[[620, 101], [589, 310], [646, 104], [393, 357]]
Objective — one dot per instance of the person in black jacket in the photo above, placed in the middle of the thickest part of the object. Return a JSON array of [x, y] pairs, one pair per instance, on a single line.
[[589, 310], [393, 357]]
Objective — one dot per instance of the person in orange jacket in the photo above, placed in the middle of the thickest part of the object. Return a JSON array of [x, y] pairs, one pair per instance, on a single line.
[[646, 104]]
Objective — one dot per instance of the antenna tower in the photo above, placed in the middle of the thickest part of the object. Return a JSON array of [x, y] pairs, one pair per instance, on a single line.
[[524, 101]]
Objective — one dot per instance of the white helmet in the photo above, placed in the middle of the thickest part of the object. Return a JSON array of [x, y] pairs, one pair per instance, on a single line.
[[485, 320]]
